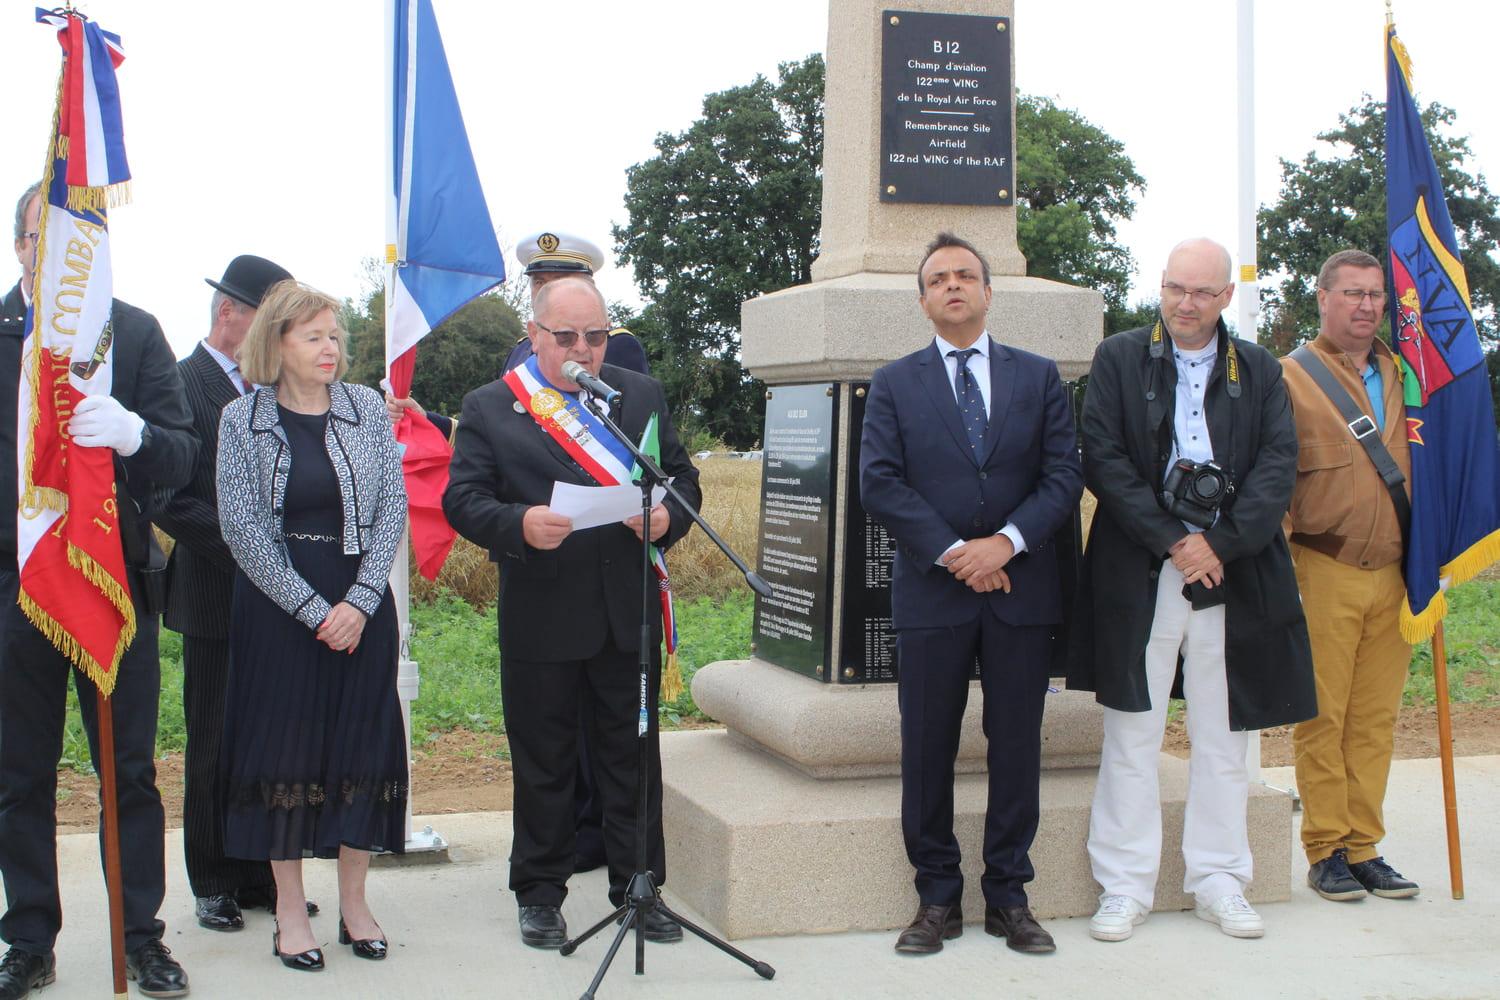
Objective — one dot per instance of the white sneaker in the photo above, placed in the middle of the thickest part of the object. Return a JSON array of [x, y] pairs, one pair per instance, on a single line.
[[1234, 915], [1116, 918]]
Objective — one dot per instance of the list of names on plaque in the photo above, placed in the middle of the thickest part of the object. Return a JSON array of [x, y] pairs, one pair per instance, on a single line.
[[868, 652], [796, 519], [946, 128]]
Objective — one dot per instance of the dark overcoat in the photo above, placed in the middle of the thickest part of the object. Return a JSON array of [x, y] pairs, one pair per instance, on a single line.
[[1127, 442]]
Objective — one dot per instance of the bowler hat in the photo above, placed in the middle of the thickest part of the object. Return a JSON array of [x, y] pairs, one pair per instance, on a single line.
[[248, 278]]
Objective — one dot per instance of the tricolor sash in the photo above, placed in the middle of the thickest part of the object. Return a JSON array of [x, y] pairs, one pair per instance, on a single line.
[[599, 453], [577, 431]]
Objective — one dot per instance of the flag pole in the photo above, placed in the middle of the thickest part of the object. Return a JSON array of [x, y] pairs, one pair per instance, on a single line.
[[112, 874], [1445, 754], [408, 672]]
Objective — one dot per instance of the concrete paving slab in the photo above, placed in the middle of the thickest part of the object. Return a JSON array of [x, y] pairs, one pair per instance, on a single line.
[[453, 934]]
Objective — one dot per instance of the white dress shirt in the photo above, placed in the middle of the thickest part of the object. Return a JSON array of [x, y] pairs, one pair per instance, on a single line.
[[1190, 422], [231, 367], [979, 365]]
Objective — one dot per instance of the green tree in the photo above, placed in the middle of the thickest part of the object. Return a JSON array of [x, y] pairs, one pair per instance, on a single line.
[[731, 208], [1073, 183], [1335, 199], [462, 353], [726, 210]]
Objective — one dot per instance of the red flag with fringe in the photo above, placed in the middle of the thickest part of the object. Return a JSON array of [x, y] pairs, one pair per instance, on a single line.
[[73, 580]]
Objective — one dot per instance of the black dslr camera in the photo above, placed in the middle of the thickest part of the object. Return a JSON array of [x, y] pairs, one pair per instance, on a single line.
[[1195, 491]]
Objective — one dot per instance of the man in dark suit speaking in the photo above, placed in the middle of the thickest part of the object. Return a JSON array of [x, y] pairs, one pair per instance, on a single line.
[[969, 460], [570, 601]]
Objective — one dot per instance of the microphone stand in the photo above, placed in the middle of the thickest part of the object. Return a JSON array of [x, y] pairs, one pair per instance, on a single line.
[[642, 897]]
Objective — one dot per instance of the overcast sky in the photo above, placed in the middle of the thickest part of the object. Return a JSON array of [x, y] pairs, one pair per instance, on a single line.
[[259, 127]]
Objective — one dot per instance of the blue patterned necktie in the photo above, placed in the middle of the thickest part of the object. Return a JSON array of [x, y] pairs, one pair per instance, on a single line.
[[970, 402]]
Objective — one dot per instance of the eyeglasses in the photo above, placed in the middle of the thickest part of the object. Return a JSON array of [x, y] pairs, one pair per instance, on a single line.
[[1200, 296], [1356, 296], [567, 338], [31, 237]]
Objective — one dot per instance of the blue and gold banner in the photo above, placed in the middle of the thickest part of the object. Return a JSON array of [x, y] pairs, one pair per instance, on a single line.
[[1450, 419]]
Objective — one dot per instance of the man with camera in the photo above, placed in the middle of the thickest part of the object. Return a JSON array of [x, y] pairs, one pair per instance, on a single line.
[[1347, 520], [1189, 446]]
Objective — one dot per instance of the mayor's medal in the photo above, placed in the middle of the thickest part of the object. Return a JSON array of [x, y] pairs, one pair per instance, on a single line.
[[548, 405]]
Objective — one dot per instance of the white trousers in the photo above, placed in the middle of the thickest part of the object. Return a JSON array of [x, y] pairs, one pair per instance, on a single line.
[[1125, 825]]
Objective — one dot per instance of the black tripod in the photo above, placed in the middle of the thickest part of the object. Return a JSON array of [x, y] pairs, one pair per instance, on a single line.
[[642, 896]]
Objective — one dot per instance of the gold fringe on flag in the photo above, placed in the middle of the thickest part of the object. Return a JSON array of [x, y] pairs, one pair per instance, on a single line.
[[1469, 563], [671, 679], [98, 199]]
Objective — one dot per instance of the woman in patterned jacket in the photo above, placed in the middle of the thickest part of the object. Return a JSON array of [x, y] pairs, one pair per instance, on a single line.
[[312, 505]]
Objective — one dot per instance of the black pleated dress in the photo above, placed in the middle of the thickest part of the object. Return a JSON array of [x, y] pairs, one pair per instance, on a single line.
[[314, 750]]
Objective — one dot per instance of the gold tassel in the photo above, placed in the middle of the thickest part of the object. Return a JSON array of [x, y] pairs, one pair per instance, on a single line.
[[1417, 628], [671, 679]]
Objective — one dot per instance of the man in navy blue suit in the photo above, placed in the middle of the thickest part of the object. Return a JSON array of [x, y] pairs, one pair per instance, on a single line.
[[969, 460]]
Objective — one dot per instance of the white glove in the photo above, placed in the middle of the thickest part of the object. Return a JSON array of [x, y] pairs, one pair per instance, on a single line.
[[101, 422]]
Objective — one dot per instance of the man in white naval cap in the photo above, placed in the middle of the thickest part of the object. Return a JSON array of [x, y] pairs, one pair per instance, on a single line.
[[547, 256]]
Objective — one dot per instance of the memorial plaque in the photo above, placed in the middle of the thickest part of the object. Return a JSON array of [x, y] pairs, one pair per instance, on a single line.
[[868, 652], [946, 124], [796, 528]]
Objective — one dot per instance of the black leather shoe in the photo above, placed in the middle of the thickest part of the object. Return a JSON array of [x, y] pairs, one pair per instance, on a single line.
[[155, 971], [263, 898], [23, 971], [371, 948], [310, 960], [930, 928], [659, 927], [1381, 879], [1331, 878], [543, 926], [1019, 928], [219, 913]]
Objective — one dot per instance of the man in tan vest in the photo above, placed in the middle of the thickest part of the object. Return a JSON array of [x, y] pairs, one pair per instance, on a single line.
[[1346, 536]]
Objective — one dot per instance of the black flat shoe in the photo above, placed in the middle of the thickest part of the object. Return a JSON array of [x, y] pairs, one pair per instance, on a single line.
[[155, 972], [23, 971], [371, 948], [220, 912], [543, 926], [310, 960], [658, 926]]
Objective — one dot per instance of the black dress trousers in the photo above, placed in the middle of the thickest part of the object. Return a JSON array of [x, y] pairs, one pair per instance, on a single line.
[[542, 702], [33, 698], [936, 665], [205, 678]]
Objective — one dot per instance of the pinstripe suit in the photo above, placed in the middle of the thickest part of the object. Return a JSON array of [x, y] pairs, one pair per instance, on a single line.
[[200, 581]]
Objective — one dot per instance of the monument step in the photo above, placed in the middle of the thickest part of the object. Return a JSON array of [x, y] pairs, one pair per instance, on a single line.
[[854, 731], [760, 848]]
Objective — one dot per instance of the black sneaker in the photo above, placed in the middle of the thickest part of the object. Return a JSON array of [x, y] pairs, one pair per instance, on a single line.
[[1330, 878], [1383, 880], [23, 971], [155, 971]]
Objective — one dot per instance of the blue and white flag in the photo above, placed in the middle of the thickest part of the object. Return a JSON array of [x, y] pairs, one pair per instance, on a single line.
[[440, 239]]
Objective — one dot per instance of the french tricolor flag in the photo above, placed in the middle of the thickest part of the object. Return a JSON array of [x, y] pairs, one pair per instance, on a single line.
[[89, 124]]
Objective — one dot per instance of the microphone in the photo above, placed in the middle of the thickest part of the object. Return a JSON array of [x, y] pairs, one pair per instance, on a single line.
[[591, 384]]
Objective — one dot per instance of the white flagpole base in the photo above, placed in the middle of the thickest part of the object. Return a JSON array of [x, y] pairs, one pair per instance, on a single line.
[[408, 686]]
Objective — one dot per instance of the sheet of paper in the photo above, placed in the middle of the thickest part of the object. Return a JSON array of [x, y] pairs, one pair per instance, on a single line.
[[591, 506]]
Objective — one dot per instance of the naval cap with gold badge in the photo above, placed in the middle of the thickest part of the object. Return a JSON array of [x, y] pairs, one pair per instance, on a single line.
[[555, 251]]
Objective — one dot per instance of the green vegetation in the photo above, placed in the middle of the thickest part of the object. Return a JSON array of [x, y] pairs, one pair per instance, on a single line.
[[456, 647], [1472, 637]]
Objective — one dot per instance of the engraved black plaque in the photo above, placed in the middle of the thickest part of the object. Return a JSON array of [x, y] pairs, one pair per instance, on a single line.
[[946, 123], [796, 528], [868, 652]]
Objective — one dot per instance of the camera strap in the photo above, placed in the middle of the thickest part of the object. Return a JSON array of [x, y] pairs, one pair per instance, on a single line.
[[1365, 431]]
